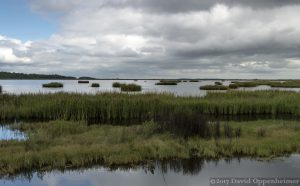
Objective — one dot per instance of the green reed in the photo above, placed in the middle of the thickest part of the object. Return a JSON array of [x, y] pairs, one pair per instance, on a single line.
[[127, 108]]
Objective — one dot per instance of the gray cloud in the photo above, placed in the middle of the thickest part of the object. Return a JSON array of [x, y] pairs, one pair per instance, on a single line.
[[155, 38]]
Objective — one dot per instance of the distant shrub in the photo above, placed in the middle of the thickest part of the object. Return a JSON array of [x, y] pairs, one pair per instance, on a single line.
[[83, 81], [0, 89], [53, 85], [95, 85], [131, 88], [218, 83]]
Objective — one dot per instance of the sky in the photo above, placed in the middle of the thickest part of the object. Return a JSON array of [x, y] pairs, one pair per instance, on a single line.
[[152, 38]]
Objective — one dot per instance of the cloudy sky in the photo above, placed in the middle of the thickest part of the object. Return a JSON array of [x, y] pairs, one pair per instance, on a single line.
[[152, 38]]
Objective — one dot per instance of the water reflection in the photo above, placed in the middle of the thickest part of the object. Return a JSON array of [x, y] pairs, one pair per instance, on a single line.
[[175, 173], [8, 134]]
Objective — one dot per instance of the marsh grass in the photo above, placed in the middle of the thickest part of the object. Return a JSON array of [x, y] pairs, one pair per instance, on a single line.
[[117, 84], [214, 87], [53, 85], [168, 82], [136, 108], [95, 85], [61, 144], [83, 81], [284, 84], [131, 88]]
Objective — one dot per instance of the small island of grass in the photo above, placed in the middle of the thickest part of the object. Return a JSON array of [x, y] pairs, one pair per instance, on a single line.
[[95, 85], [84, 81], [167, 82], [131, 88], [53, 85], [214, 87]]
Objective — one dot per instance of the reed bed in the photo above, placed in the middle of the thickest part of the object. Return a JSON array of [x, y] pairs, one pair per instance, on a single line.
[[95, 85], [83, 81], [61, 144], [53, 85], [168, 82], [214, 87], [131, 88], [117, 84], [284, 84], [128, 108]]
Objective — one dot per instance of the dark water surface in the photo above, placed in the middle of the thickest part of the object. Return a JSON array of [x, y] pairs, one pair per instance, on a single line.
[[174, 173]]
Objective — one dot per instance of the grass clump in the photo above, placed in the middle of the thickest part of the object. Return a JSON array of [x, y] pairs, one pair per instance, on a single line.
[[83, 81], [117, 84], [95, 85], [214, 87], [53, 85], [131, 88], [167, 82]]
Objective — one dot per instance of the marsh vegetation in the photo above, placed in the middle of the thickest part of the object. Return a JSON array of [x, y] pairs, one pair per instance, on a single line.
[[95, 85], [53, 85], [62, 144], [168, 82]]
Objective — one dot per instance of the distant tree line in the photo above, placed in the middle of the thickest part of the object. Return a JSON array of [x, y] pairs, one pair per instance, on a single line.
[[13, 75]]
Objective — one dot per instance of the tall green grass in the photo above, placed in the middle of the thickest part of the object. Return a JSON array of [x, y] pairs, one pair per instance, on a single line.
[[127, 108]]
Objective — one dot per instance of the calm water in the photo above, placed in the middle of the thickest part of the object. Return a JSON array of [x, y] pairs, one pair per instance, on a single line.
[[7, 134], [182, 89], [176, 173]]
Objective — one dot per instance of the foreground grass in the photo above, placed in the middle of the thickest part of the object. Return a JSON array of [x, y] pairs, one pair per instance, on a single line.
[[61, 145], [125, 108]]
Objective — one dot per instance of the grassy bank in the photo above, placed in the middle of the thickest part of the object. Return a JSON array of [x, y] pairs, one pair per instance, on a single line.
[[127, 108], [60, 144], [284, 84]]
